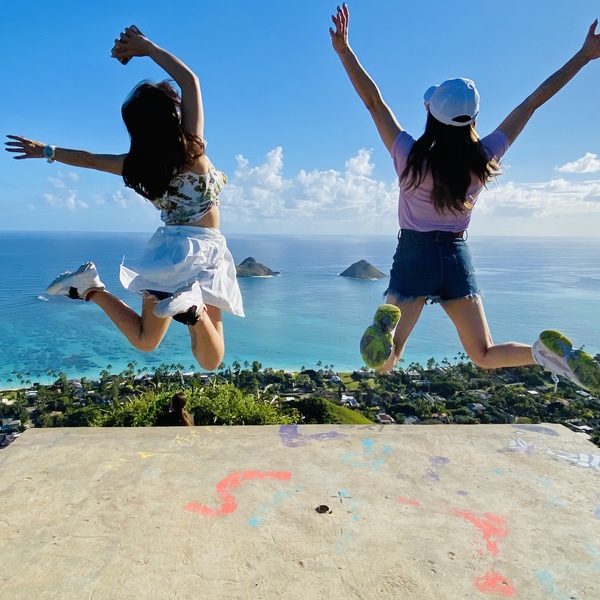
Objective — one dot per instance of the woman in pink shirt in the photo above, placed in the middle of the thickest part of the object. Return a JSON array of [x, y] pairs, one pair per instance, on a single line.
[[441, 175]]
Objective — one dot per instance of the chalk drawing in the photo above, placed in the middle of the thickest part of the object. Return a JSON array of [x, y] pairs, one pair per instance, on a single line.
[[186, 440], [379, 427], [553, 501], [117, 465], [232, 482], [266, 510], [550, 586], [351, 507], [519, 446], [594, 552], [291, 436], [537, 429], [493, 529], [588, 461], [365, 459], [437, 464], [145, 454], [409, 501], [494, 583]]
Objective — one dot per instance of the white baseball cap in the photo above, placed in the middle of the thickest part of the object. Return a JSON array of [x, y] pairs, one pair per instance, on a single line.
[[454, 102]]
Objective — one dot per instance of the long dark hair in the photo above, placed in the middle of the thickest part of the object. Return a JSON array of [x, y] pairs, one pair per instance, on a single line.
[[453, 155], [178, 402], [160, 145]]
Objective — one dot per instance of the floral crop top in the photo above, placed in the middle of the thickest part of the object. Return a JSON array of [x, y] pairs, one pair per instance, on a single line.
[[189, 196]]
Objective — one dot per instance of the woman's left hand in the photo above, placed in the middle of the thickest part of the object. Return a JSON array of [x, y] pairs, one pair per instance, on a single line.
[[25, 148]]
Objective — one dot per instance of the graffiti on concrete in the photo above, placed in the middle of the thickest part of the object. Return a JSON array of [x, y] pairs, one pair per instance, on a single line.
[[225, 487]]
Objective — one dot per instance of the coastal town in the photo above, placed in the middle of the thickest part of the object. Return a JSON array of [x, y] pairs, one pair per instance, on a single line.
[[448, 392]]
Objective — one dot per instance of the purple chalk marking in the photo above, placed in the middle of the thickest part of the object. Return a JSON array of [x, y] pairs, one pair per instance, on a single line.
[[462, 493], [438, 461], [433, 475], [291, 437]]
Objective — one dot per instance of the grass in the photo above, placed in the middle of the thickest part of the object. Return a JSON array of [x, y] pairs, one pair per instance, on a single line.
[[348, 416]]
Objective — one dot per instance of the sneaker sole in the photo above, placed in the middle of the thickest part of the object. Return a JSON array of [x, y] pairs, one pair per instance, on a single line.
[[376, 344], [61, 284], [576, 365]]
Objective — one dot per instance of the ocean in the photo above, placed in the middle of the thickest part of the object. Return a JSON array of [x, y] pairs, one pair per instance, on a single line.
[[306, 316]]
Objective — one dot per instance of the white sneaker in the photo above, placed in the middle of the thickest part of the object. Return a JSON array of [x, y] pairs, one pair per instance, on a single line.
[[555, 352], [186, 303], [75, 285]]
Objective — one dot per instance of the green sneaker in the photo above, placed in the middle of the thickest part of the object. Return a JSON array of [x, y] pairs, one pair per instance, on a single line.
[[376, 344], [555, 352]]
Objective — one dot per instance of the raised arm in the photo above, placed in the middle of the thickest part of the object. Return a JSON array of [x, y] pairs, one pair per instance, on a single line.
[[518, 118], [26, 148], [133, 43], [384, 118]]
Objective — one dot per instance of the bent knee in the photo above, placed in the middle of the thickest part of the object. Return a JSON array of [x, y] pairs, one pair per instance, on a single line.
[[210, 365], [146, 345], [482, 359]]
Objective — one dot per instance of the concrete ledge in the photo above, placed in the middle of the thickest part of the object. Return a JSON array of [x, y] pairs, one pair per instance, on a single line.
[[402, 512]]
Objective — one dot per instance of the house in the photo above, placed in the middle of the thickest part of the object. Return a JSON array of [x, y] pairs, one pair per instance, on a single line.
[[411, 420], [349, 400], [476, 408], [385, 419]]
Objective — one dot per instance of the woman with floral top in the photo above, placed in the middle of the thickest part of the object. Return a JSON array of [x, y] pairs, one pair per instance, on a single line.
[[186, 272]]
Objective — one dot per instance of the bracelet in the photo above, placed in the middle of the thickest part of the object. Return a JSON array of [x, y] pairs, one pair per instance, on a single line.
[[49, 153]]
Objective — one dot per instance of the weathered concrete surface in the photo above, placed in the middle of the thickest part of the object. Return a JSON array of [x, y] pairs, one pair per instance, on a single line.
[[415, 512]]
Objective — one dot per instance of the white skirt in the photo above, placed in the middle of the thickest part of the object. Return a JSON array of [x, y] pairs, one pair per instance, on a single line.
[[178, 255]]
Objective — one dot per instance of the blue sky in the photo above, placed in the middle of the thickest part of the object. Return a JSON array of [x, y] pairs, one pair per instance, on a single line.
[[282, 119]]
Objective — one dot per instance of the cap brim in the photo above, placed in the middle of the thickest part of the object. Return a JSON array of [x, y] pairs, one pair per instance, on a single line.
[[429, 93]]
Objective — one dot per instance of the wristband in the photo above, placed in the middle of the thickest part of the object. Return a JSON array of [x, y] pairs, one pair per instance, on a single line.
[[49, 153]]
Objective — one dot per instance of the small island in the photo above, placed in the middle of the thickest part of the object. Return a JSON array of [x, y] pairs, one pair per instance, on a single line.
[[362, 270], [250, 268]]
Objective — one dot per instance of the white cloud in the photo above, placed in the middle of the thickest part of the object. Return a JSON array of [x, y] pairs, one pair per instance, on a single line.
[[67, 200], [255, 193], [56, 182], [552, 198], [586, 164]]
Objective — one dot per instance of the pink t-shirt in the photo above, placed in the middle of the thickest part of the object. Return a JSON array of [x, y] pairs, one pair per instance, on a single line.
[[415, 207]]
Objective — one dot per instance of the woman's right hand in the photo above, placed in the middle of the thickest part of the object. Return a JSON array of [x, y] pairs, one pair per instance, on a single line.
[[24, 147], [131, 42], [591, 45], [339, 37]]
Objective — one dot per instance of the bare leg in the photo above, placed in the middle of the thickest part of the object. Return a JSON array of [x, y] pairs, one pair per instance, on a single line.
[[145, 332], [468, 317], [208, 343], [411, 310]]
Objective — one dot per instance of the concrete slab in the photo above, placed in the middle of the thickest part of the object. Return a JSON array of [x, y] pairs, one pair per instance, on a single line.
[[402, 512]]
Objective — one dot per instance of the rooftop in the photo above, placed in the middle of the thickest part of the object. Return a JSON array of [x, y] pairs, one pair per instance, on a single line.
[[310, 512]]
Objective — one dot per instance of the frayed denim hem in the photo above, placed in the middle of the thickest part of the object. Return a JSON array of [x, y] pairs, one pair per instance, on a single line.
[[401, 299]]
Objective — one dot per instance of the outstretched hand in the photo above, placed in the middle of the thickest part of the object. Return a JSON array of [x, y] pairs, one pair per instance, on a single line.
[[130, 43], [339, 37], [24, 147], [591, 46]]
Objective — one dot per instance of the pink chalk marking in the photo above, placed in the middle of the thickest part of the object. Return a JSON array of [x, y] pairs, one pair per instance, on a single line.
[[232, 482], [492, 527], [409, 501], [494, 583]]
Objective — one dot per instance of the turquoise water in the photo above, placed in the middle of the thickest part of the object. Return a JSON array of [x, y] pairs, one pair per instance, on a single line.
[[306, 315]]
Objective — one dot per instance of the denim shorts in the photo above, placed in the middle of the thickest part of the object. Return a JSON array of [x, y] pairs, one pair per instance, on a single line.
[[432, 264]]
